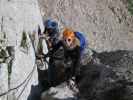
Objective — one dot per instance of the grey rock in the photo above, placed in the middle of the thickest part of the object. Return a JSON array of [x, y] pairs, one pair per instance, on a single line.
[[61, 92], [17, 16], [4, 80], [107, 24]]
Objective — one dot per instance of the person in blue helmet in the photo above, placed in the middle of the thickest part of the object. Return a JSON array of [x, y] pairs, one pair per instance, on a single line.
[[52, 33]]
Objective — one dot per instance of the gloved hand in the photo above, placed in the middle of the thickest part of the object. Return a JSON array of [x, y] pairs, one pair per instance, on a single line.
[[42, 55], [39, 56]]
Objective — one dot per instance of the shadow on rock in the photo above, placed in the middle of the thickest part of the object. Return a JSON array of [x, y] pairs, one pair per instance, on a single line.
[[107, 77], [102, 81]]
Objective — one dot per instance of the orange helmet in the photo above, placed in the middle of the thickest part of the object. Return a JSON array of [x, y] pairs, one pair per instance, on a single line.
[[68, 36], [68, 33]]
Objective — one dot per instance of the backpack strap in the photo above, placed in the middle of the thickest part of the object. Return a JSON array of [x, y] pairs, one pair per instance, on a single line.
[[81, 38]]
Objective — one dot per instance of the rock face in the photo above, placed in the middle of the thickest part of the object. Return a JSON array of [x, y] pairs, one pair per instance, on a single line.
[[18, 18], [107, 24], [4, 80]]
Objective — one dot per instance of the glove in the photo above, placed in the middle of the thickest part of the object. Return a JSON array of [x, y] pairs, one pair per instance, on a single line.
[[45, 56], [39, 56]]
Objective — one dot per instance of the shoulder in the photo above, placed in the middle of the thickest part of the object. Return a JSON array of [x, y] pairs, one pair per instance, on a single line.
[[77, 42]]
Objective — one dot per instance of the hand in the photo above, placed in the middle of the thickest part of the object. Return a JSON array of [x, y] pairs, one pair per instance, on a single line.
[[39, 56]]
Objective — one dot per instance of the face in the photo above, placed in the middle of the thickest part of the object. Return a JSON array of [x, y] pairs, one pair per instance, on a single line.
[[69, 41], [49, 30]]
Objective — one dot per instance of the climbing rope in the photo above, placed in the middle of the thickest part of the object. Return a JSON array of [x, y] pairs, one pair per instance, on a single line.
[[12, 89], [31, 74], [26, 80]]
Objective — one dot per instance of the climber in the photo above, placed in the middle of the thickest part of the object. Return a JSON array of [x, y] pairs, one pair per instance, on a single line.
[[51, 33], [73, 44]]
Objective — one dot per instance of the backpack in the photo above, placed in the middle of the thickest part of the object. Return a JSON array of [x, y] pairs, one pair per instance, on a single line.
[[81, 38]]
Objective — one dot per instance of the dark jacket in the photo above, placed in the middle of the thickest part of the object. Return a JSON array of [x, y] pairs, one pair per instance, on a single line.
[[74, 54]]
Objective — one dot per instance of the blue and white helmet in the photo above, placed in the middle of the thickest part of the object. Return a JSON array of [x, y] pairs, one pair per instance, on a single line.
[[51, 24]]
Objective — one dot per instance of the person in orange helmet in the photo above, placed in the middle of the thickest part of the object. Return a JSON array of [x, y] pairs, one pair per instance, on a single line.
[[73, 44]]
